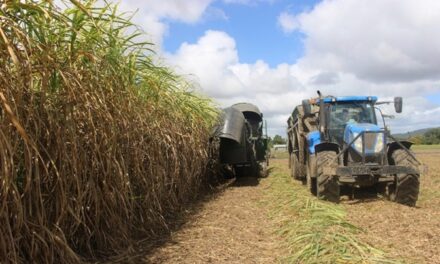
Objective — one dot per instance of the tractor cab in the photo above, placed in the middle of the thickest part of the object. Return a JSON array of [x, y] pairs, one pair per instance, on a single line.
[[350, 123], [348, 116]]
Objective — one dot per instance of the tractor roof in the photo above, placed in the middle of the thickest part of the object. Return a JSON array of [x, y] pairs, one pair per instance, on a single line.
[[350, 99]]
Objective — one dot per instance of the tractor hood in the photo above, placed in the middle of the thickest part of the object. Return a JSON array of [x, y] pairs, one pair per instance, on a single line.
[[373, 136], [361, 127]]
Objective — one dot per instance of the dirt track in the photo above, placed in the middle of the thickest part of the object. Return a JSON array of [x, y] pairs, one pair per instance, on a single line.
[[411, 234], [232, 228]]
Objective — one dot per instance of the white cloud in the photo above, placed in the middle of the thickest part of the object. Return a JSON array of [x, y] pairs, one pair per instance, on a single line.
[[213, 61], [209, 60], [288, 22], [351, 48], [188, 11], [325, 78], [214, 13], [379, 41], [417, 113], [154, 28], [152, 14], [260, 78]]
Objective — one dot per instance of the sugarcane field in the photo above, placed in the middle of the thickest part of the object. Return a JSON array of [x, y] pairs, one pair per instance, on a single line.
[[228, 131]]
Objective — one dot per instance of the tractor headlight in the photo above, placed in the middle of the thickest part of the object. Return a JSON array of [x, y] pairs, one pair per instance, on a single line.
[[357, 142], [379, 142]]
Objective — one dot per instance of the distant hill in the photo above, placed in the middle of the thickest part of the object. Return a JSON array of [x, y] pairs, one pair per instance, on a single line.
[[418, 132]]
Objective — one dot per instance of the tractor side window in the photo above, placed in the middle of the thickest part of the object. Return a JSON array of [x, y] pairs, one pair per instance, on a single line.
[[339, 116], [368, 114]]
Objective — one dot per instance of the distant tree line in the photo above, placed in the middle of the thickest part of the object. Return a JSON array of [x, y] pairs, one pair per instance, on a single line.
[[276, 140], [431, 137]]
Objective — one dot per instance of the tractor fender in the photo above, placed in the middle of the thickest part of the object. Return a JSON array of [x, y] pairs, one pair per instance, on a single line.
[[326, 146], [392, 146]]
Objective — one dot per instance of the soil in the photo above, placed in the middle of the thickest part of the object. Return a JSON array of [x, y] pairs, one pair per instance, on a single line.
[[233, 225], [232, 228], [411, 234]]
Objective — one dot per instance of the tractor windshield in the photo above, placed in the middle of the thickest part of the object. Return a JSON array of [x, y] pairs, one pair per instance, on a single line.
[[341, 113]]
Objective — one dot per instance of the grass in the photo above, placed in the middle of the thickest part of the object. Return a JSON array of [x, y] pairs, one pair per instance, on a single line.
[[314, 231], [430, 182], [425, 147], [99, 145], [279, 154]]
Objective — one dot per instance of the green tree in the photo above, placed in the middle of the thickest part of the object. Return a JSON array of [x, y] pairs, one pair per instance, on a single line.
[[277, 139], [432, 137]]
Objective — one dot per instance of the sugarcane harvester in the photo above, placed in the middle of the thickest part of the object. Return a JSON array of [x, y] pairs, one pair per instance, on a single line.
[[337, 142], [243, 140]]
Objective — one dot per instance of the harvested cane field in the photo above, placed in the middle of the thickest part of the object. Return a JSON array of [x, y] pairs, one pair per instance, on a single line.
[[275, 219], [105, 156]]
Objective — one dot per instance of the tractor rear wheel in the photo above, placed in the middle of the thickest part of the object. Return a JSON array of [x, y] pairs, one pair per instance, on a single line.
[[405, 190], [310, 180], [294, 168], [327, 186], [301, 168]]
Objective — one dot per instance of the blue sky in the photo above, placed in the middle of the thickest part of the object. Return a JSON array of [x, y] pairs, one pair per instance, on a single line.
[[434, 98], [253, 26], [255, 30], [274, 53]]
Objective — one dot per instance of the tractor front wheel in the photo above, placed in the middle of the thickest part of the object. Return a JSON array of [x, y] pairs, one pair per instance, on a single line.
[[405, 189], [327, 186]]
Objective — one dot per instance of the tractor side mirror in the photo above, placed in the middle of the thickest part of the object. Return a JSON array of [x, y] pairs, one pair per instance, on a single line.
[[398, 104], [307, 108]]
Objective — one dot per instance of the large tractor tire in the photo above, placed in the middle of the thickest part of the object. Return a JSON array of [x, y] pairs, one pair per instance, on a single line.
[[302, 170], [227, 172], [405, 190], [327, 186], [310, 178], [290, 159], [263, 171], [294, 169]]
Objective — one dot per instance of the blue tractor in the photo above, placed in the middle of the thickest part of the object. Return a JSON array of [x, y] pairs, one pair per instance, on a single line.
[[338, 143]]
